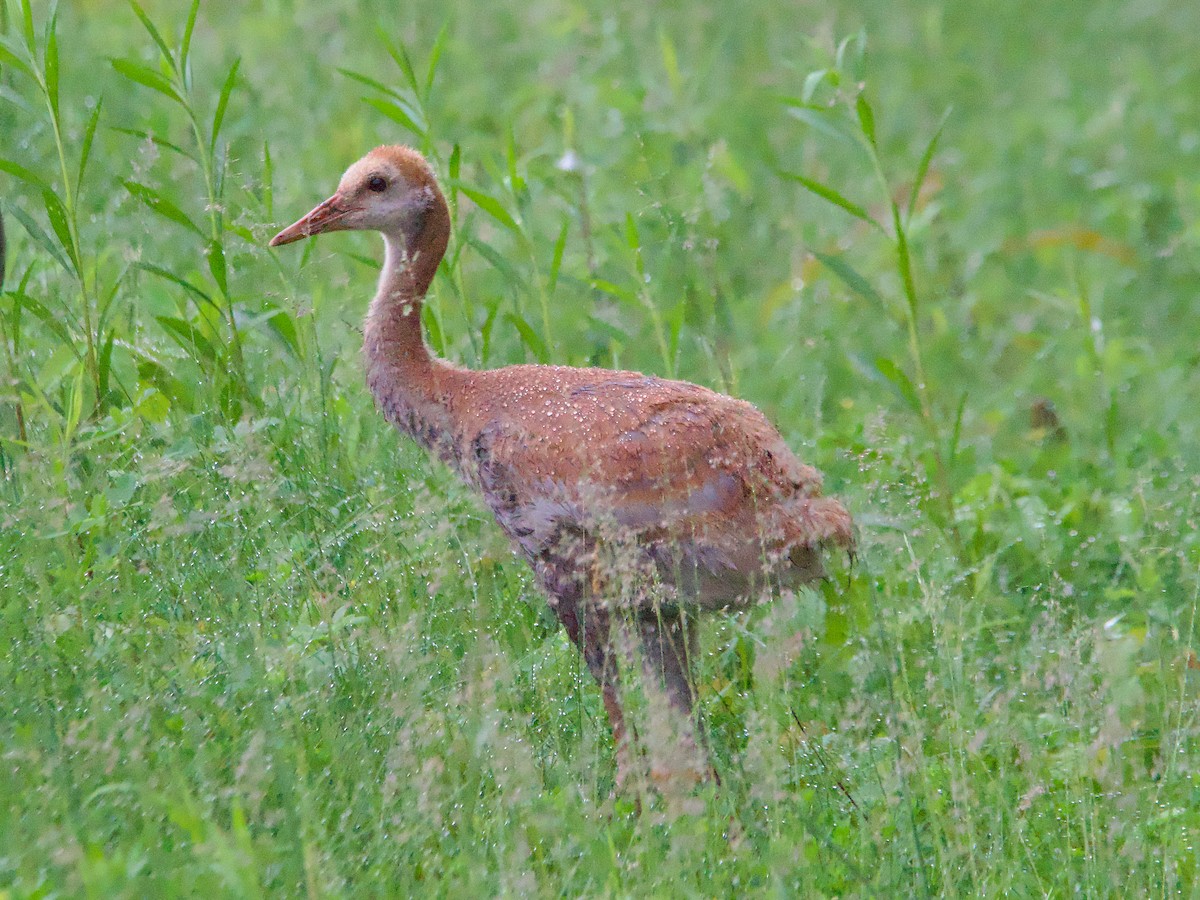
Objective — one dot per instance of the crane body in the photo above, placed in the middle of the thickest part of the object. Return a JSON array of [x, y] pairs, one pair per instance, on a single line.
[[635, 499]]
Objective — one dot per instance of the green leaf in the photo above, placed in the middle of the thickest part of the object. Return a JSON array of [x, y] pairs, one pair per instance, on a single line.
[[400, 57], [515, 181], [923, 166], [27, 24], [556, 261], [857, 43], [502, 265], [24, 174], [175, 279], [153, 32], [268, 180], [185, 43], [433, 328], [811, 82], [492, 207], [188, 337], [455, 162], [161, 205], [243, 232], [371, 83], [435, 54], [146, 77], [284, 326], [9, 57], [828, 193], [89, 135], [614, 333], [634, 241], [40, 237], [614, 290], [529, 337], [956, 432], [866, 117], [156, 141], [900, 382], [51, 65], [904, 261], [61, 223], [397, 112], [104, 362], [670, 62], [216, 265], [74, 408], [820, 119], [849, 276], [52, 322], [223, 102], [485, 333]]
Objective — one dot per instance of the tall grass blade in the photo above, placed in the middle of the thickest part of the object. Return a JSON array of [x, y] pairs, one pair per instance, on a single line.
[[923, 166], [560, 246], [52, 322], [492, 207], [435, 55], [26, 175], [153, 31], [185, 43], [529, 337], [850, 277], [901, 382], [156, 202], [398, 113], [61, 224], [146, 77], [50, 66], [371, 83], [819, 118], [175, 279], [41, 238], [399, 56], [223, 102], [189, 337], [866, 118], [156, 141], [27, 24], [832, 196], [9, 57], [89, 136]]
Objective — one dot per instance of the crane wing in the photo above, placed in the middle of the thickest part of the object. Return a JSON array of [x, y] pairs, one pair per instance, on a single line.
[[689, 477]]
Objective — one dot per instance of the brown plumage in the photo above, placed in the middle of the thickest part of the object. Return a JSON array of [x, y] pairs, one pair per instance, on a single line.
[[627, 493]]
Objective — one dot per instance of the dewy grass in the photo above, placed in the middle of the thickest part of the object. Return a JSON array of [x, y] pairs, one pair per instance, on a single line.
[[251, 642]]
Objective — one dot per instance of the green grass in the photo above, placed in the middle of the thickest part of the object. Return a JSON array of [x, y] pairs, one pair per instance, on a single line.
[[253, 642]]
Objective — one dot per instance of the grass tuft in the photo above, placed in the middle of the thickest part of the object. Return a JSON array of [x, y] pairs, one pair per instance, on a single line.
[[252, 642]]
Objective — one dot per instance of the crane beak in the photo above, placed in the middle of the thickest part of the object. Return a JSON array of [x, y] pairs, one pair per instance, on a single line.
[[323, 218]]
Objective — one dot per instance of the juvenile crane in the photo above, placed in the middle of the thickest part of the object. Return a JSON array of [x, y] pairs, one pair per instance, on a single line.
[[634, 498]]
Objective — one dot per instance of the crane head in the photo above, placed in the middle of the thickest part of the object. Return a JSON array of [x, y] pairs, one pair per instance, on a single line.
[[390, 190]]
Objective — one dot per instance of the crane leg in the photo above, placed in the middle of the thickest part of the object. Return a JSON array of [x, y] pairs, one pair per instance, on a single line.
[[668, 645], [588, 626], [668, 642]]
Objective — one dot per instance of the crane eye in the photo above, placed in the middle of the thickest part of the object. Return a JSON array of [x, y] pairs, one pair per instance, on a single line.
[[377, 183]]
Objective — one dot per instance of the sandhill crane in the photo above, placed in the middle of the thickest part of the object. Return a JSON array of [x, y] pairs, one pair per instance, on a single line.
[[636, 500]]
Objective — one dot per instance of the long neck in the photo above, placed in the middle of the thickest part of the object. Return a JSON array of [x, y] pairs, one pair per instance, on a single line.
[[401, 373]]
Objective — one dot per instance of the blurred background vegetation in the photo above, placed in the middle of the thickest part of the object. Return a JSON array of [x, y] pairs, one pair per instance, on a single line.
[[254, 642]]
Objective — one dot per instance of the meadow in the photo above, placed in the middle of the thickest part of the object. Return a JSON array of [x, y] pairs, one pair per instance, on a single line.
[[252, 642]]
